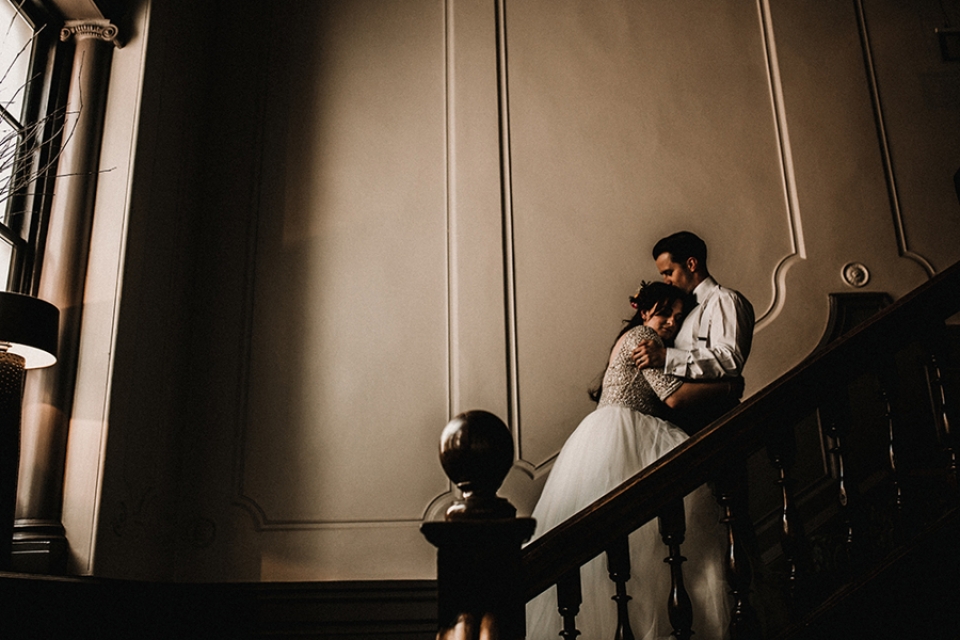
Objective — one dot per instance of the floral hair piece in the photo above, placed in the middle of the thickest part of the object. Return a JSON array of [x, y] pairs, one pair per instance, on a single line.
[[635, 297]]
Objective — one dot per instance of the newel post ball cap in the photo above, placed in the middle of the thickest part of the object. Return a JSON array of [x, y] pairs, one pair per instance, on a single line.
[[476, 452], [29, 327]]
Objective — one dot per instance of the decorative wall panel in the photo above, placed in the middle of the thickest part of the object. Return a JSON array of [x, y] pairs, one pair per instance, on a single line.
[[347, 381], [908, 75], [628, 122]]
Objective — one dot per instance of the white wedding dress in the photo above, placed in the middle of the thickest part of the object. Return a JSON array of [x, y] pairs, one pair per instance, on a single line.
[[611, 444]]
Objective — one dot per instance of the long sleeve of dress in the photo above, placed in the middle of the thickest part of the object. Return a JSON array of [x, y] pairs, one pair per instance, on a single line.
[[663, 384]]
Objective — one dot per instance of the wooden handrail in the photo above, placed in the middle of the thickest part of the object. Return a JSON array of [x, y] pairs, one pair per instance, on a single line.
[[736, 435]]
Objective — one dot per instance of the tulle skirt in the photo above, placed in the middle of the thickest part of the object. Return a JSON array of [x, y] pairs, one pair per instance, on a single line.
[[610, 445]]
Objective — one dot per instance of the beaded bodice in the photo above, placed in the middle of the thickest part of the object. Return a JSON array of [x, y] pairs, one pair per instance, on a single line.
[[640, 390]]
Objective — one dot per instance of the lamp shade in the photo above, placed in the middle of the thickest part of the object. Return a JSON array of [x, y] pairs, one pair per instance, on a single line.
[[30, 326]]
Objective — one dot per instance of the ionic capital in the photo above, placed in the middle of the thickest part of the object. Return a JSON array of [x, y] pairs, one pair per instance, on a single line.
[[97, 29]]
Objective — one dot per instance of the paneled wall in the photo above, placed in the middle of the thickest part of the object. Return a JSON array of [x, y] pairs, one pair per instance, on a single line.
[[403, 209]]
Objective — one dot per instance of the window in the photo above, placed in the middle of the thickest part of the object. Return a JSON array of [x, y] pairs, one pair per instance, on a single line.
[[30, 132]]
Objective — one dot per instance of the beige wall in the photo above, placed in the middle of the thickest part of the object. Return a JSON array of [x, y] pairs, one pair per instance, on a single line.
[[347, 221]]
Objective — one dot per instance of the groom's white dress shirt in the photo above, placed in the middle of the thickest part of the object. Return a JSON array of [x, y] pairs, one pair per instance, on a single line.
[[715, 337]]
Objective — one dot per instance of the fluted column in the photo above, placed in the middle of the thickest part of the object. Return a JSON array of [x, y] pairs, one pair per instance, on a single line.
[[48, 397]]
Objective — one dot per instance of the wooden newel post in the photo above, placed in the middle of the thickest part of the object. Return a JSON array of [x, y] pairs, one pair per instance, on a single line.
[[478, 543]]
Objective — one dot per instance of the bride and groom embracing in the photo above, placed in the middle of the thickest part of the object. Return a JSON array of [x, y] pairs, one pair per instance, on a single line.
[[674, 367]]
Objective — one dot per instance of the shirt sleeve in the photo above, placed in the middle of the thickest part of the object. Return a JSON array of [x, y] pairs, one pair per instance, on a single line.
[[723, 340]]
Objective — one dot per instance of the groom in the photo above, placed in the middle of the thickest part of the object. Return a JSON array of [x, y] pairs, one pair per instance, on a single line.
[[714, 339]]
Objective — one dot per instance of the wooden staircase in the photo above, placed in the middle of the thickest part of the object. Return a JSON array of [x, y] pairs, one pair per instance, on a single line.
[[911, 592], [851, 464]]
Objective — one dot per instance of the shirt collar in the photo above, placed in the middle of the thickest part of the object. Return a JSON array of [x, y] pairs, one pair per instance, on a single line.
[[703, 290]]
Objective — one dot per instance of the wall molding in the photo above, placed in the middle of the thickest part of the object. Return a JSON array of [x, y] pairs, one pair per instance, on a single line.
[[512, 419], [791, 199], [887, 157]]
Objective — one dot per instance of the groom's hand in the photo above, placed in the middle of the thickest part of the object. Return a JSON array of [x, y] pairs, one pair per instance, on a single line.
[[649, 355]]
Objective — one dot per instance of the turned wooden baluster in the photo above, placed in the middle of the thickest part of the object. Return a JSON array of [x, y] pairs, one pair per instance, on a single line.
[[887, 375], [889, 416], [782, 451], [730, 490], [834, 424], [618, 564], [943, 411], [569, 599], [673, 529]]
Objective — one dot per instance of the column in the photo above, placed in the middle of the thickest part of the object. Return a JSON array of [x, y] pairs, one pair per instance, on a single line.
[[39, 542]]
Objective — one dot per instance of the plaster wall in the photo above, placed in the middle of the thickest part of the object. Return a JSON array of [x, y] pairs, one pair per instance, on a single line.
[[362, 217]]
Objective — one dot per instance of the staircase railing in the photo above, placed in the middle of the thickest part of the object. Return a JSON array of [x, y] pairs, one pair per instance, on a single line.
[[483, 527]]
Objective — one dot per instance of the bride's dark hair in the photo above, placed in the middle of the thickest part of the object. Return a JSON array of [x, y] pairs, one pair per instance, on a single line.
[[654, 296]]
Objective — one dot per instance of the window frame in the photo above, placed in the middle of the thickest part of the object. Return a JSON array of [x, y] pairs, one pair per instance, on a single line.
[[25, 211]]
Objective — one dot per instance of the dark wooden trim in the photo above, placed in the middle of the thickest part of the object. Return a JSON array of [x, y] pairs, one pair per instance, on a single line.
[[83, 607], [355, 609], [847, 310]]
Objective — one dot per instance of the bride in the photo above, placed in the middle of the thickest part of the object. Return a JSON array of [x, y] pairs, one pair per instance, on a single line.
[[623, 435]]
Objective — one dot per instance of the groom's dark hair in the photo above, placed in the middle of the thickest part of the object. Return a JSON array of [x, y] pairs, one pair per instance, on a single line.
[[680, 246]]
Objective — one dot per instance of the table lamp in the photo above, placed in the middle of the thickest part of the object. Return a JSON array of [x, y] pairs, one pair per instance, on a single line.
[[29, 328]]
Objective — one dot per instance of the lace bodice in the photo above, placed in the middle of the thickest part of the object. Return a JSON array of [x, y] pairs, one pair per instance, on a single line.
[[640, 390]]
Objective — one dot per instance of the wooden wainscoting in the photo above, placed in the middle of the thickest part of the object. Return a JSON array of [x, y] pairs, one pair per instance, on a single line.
[[45, 607]]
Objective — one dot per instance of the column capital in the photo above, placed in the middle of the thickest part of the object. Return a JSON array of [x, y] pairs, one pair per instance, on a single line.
[[84, 29]]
